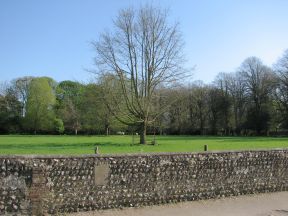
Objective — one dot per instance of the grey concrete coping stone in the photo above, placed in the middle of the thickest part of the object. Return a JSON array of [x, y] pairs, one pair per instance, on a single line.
[[35, 156]]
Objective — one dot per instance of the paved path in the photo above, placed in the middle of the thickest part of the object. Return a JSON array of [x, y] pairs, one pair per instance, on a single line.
[[273, 204]]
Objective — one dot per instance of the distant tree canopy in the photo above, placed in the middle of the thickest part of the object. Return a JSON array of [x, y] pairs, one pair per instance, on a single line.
[[40, 105]]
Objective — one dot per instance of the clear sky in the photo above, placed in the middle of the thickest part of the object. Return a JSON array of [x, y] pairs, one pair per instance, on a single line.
[[52, 37]]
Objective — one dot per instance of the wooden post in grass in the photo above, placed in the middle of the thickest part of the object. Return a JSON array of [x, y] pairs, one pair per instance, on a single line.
[[96, 150], [154, 136], [205, 147]]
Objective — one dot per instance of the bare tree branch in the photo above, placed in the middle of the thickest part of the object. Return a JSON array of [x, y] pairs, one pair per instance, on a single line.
[[143, 52]]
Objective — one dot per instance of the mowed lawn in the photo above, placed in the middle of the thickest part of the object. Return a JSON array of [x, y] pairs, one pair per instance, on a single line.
[[123, 144]]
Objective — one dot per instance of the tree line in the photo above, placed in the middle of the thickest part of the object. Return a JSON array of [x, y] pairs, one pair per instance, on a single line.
[[250, 101], [140, 88], [40, 105]]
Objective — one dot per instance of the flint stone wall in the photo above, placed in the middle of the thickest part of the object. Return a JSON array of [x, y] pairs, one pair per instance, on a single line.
[[49, 184]]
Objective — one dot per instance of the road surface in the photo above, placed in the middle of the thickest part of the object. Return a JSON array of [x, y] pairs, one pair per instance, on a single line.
[[271, 204]]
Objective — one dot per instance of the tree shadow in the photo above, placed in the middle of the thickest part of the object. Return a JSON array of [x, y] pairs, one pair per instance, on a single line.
[[59, 145]]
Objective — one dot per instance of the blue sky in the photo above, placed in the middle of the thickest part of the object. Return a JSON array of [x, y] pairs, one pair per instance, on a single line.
[[52, 38]]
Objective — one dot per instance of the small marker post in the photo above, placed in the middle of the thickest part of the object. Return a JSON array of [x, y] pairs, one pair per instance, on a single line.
[[96, 150], [205, 147]]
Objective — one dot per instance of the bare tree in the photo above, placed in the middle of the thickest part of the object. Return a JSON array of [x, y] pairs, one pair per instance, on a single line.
[[3, 88], [198, 105], [222, 83], [236, 88], [143, 52], [281, 93], [259, 82], [21, 87]]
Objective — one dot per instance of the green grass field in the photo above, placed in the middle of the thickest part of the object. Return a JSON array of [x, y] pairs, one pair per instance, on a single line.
[[123, 144]]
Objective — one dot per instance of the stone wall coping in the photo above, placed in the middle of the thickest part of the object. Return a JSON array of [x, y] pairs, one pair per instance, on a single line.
[[35, 156]]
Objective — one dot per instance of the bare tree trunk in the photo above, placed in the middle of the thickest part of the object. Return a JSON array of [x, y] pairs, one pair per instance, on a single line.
[[143, 133], [201, 125], [76, 127], [107, 131]]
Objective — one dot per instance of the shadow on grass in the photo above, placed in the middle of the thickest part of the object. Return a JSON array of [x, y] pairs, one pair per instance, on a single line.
[[62, 146], [221, 138], [176, 137]]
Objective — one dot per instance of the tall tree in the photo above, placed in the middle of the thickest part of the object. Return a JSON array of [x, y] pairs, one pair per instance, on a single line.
[[21, 87], [10, 111], [281, 93], [214, 105], [198, 105], [236, 88], [69, 96], [40, 110], [259, 82], [95, 116], [111, 97], [179, 122], [222, 83], [143, 52]]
